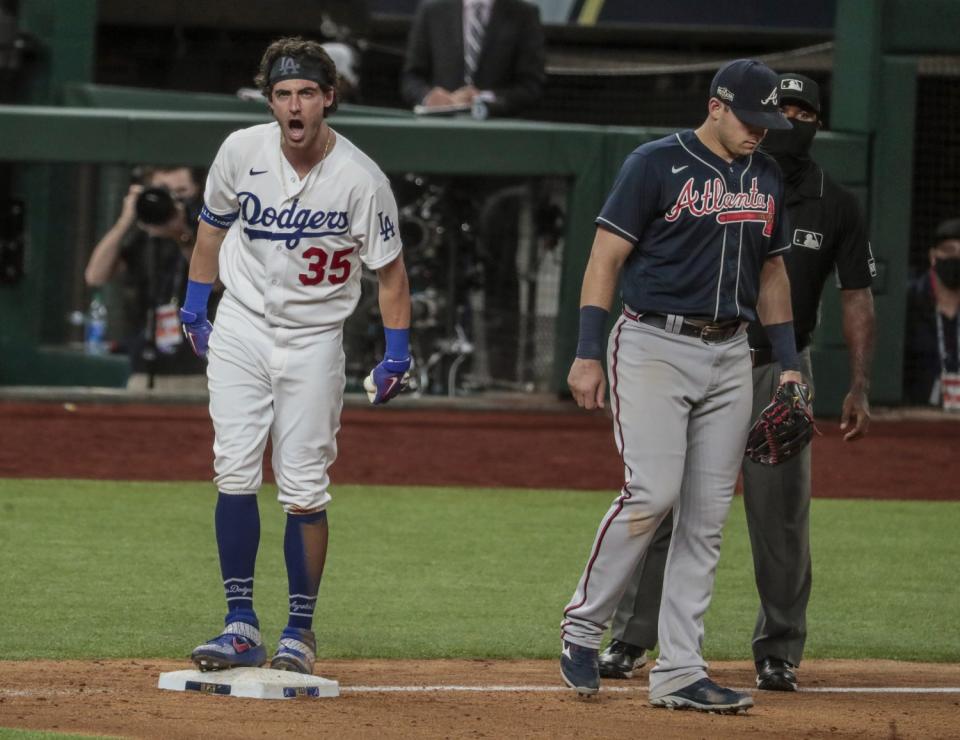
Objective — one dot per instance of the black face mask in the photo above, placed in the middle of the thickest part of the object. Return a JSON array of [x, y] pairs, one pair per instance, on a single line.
[[948, 270], [791, 147]]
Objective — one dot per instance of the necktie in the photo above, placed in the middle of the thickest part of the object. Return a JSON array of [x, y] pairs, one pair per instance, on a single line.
[[472, 42]]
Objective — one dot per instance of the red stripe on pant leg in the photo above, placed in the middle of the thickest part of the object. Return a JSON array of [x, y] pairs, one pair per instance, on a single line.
[[614, 386], [624, 492]]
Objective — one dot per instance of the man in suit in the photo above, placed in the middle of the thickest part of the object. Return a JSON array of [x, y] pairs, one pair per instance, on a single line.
[[488, 57], [463, 51]]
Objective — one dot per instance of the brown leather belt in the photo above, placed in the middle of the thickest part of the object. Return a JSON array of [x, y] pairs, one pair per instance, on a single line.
[[710, 332]]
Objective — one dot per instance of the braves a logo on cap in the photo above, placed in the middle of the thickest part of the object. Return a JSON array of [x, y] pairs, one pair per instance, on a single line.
[[729, 207], [808, 239], [724, 94], [773, 98], [790, 83]]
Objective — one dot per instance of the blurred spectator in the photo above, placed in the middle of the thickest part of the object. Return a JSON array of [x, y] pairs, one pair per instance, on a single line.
[[931, 373], [484, 53], [345, 20], [348, 62], [149, 249]]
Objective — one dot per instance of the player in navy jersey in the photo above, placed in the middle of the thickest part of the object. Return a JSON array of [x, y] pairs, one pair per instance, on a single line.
[[829, 237], [694, 228]]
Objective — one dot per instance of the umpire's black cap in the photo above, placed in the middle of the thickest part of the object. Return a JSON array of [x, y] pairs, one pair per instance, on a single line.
[[800, 90], [752, 90]]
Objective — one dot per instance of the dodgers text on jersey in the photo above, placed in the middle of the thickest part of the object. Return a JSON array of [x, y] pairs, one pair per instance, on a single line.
[[296, 223]]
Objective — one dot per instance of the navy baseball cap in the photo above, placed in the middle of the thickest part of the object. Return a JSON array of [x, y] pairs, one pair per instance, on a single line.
[[800, 89], [752, 90]]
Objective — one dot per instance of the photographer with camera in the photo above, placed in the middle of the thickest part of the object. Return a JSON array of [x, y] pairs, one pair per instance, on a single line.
[[149, 248]]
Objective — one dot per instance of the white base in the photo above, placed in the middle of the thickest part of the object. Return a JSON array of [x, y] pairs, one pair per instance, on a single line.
[[252, 683]]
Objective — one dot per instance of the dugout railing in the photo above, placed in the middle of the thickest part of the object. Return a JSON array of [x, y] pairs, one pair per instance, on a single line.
[[42, 139], [880, 49]]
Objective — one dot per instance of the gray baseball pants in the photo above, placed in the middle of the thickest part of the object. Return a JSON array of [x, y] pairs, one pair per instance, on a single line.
[[777, 503], [681, 410]]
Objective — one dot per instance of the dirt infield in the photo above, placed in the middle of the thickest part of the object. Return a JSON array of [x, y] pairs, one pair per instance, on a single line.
[[901, 459], [121, 698]]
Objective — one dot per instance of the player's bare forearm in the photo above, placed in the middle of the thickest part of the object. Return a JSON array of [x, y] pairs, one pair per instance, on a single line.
[[204, 263], [607, 256], [773, 305], [858, 333], [394, 295]]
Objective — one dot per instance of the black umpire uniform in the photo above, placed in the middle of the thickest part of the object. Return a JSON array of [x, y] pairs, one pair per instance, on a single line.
[[829, 235]]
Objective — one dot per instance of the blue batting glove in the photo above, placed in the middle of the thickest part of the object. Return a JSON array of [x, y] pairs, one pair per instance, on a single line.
[[196, 328], [387, 379]]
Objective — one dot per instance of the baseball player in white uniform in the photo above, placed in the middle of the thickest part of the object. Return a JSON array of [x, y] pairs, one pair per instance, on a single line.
[[291, 210]]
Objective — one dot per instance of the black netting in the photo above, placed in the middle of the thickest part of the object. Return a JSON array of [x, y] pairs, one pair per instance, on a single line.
[[930, 342], [936, 163], [483, 257]]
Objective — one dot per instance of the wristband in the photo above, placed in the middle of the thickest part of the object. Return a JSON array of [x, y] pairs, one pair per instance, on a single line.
[[783, 340], [198, 294], [398, 344], [592, 321]]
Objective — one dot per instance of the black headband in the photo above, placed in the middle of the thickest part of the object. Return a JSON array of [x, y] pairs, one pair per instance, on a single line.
[[298, 68]]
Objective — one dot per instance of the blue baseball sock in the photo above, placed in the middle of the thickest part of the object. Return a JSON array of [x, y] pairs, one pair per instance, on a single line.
[[305, 550], [238, 537]]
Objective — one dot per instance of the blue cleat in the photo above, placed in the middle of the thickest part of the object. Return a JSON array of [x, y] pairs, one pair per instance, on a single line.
[[238, 646], [579, 668], [297, 651], [706, 696]]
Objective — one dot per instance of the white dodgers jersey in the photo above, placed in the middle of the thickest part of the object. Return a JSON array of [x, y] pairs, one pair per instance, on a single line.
[[294, 247]]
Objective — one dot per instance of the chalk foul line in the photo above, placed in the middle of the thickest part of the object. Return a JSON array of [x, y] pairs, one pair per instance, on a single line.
[[513, 689]]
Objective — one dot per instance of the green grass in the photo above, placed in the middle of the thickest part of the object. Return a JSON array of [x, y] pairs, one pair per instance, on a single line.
[[95, 569]]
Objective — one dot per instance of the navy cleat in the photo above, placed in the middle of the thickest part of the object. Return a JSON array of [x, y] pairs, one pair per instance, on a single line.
[[297, 651], [579, 668], [706, 696], [238, 646], [621, 659]]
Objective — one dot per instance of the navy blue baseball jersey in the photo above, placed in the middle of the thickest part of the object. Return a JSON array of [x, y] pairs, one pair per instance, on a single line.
[[702, 228]]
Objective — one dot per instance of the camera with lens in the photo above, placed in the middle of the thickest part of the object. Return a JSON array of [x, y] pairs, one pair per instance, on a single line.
[[155, 206]]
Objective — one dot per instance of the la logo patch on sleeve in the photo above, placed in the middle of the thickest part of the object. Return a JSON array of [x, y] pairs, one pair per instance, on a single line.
[[808, 239]]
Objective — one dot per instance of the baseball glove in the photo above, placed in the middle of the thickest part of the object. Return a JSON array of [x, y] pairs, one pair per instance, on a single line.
[[784, 427]]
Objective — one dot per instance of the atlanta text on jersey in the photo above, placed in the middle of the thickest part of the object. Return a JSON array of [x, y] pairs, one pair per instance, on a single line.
[[729, 207]]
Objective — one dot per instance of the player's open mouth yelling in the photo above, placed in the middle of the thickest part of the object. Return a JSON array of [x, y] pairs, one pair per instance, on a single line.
[[295, 130]]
